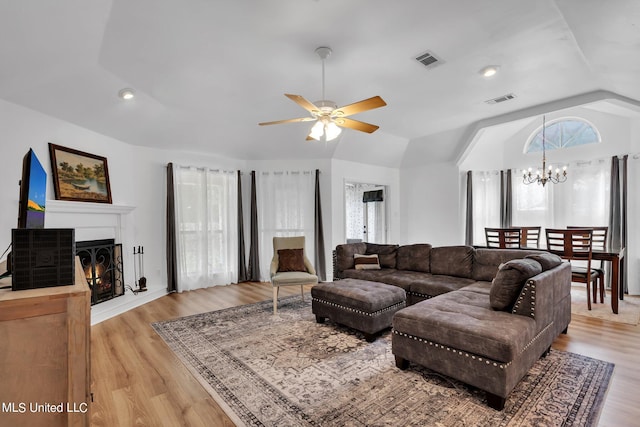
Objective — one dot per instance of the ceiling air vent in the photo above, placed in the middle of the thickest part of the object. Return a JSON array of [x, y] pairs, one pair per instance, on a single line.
[[427, 59], [501, 99]]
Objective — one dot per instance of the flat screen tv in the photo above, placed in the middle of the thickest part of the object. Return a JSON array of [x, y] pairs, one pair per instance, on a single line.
[[33, 190]]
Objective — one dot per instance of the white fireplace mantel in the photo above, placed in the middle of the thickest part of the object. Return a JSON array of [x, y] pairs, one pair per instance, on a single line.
[[60, 206], [92, 221]]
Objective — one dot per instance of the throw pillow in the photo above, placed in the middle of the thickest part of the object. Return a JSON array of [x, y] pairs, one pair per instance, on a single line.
[[509, 281], [291, 260], [366, 262], [546, 260]]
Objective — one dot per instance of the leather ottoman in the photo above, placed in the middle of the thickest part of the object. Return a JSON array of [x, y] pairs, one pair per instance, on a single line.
[[359, 304]]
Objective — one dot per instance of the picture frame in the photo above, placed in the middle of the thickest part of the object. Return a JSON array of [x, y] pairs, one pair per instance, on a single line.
[[79, 176]]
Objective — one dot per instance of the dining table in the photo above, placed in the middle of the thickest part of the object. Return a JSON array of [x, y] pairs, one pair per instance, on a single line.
[[616, 258]]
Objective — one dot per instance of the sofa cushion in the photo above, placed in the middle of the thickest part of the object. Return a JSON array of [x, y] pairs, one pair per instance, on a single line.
[[415, 257], [546, 260], [435, 284], [487, 260], [452, 261], [371, 275], [386, 254], [366, 262], [345, 253], [291, 260], [509, 281], [405, 278], [464, 320]]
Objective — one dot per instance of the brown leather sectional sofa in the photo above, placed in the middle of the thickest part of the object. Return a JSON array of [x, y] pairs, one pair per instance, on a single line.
[[479, 315]]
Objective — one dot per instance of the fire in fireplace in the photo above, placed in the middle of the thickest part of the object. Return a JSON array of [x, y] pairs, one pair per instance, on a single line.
[[102, 264]]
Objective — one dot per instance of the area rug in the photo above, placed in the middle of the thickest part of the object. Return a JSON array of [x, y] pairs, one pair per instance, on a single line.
[[288, 370], [628, 308]]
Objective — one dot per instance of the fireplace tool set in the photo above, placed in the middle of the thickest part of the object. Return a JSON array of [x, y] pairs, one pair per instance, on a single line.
[[138, 268]]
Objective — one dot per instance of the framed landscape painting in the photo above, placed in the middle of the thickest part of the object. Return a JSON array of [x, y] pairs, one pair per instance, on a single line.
[[79, 176]]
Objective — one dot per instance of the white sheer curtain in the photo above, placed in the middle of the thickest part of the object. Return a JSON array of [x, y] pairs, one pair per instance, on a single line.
[[582, 200], [486, 203], [206, 216], [285, 208], [354, 209]]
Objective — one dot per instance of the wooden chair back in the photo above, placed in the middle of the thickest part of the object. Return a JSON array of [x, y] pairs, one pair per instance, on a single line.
[[598, 235], [530, 236], [570, 243], [502, 237]]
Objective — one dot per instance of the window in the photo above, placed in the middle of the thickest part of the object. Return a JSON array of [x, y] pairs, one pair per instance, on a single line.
[[563, 133], [206, 222], [285, 208]]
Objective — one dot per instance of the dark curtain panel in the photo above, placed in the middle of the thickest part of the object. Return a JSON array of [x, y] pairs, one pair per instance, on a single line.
[[506, 215], [614, 204], [319, 263], [618, 210], [172, 257], [503, 219], [623, 225], [242, 264], [468, 239], [508, 201], [254, 260]]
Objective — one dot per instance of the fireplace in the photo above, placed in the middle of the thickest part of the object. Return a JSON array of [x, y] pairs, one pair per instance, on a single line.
[[102, 264]]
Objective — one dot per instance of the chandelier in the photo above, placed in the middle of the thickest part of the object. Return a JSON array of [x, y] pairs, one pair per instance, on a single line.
[[547, 175]]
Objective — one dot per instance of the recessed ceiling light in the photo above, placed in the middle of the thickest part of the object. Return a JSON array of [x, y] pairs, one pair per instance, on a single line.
[[489, 70], [126, 93]]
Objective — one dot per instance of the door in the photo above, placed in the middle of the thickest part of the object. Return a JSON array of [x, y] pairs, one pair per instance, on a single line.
[[365, 212]]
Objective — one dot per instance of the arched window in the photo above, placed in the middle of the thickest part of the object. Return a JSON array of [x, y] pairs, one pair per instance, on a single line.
[[563, 133]]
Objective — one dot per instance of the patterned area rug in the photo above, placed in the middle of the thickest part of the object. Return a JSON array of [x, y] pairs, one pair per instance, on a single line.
[[628, 308], [287, 370]]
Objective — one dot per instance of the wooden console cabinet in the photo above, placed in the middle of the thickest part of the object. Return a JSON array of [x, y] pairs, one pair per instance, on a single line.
[[45, 362]]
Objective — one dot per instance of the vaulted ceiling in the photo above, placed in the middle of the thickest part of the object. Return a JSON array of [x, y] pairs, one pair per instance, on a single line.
[[205, 72]]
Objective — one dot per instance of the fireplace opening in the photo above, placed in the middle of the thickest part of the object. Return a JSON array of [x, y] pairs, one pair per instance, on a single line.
[[102, 264]]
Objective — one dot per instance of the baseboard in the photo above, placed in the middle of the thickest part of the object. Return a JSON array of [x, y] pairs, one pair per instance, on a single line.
[[119, 305]]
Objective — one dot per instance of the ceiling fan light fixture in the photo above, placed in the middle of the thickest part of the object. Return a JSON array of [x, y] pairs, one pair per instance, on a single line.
[[317, 130], [332, 131]]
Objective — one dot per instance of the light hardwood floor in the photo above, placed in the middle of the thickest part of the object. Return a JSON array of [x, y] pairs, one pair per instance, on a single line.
[[138, 381]]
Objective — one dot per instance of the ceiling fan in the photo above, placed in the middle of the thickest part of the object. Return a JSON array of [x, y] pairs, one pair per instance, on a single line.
[[328, 117]]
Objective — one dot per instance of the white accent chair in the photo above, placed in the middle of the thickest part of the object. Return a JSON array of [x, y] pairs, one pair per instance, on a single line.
[[290, 278]]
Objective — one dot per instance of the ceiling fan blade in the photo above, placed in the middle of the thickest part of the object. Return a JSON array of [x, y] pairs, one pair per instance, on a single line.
[[358, 107], [356, 124], [303, 103], [277, 122]]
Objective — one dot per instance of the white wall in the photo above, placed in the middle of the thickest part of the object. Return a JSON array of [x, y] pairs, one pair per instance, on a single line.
[[430, 188]]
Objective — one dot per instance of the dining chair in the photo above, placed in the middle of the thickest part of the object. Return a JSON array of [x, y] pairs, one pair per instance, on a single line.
[[502, 237], [575, 245], [599, 242], [290, 266], [529, 236]]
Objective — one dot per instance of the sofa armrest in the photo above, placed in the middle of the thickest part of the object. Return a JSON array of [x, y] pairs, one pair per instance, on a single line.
[[542, 292]]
